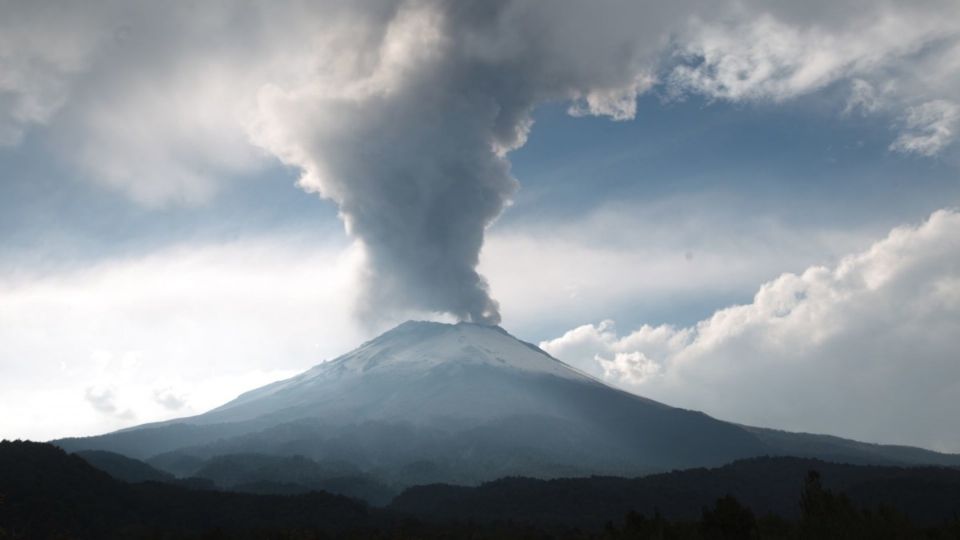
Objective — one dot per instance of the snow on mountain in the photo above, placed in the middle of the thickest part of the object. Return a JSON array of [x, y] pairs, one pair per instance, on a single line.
[[465, 403], [418, 346], [426, 345], [448, 370]]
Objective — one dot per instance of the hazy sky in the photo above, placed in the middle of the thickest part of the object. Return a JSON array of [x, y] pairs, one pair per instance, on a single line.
[[195, 200]]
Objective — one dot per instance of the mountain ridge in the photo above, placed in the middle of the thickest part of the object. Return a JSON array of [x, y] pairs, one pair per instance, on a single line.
[[49, 493]]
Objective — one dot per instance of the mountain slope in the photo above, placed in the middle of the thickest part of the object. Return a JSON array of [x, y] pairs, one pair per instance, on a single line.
[[465, 403], [419, 372], [123, 468]]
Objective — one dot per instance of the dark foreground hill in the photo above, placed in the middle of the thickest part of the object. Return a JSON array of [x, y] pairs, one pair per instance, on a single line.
[[123, 468], [465, 404], [928, 495], [47, 493]]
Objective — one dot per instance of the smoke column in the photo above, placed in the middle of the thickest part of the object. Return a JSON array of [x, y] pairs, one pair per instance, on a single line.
[[403, 112], [410, 137], [408, 121]]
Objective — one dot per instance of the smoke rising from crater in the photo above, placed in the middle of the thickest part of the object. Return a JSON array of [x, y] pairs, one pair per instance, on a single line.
[[413, 147], [409, 152], [410, 128], [403, 112]]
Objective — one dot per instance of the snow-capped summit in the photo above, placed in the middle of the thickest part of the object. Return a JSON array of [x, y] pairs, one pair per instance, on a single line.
[[419, 345], [465, 368]]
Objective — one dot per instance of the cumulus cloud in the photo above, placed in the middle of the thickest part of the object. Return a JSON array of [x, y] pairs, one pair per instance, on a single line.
[[780, 56], [696, 250], [928, 128], [864, 349], [169, 399], [863, 98], [104, 401], [898, 51], [403, 112]]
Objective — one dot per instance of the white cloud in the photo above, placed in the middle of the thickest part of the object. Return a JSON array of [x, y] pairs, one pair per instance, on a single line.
[[154, 101], [929, 127], [761, 56], [631, 367], [172, 333], [865, 349], [169, 398], [618, 103], [776, 55], [694, 249], [863, 98], [104, 401]]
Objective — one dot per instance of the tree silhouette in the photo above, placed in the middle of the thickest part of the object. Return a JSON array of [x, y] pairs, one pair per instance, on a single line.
[[728, 520]]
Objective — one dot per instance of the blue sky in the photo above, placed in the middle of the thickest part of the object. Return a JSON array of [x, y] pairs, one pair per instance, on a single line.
[[805, 166], [804, 162], [706, 198]]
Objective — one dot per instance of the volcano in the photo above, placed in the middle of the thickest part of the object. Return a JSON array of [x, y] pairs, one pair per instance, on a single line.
[[464, 403]]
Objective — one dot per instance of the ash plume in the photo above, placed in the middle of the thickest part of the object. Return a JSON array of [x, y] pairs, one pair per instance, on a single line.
[[403, 112], [412, 147]]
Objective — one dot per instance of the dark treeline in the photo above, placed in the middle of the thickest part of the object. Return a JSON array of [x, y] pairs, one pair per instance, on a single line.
[[47, 493], [928, 495], [766, 485]]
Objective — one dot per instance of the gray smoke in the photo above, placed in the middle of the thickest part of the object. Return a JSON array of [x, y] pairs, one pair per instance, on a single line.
[[410, 136], [413, 149]]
